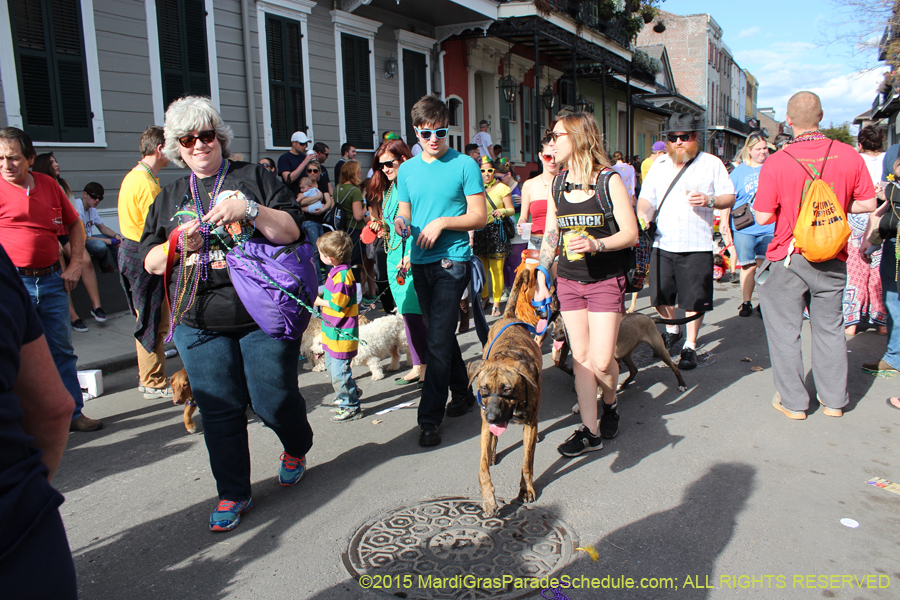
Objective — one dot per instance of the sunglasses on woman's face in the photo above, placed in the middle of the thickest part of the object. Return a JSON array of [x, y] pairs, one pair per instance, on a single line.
[[188, 141], [440, 134], [312, 170], [674, 137], [557, 134], [488, 171], [548, 157], [387, 164]]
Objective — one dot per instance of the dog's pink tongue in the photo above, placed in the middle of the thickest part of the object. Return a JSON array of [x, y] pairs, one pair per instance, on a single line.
[[541, 325], [497, 429]]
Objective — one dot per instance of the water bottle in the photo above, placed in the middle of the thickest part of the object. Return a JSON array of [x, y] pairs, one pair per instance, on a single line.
[[172, 353]]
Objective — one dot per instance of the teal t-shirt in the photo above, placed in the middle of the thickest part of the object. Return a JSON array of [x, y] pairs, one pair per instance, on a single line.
[[438, 189]]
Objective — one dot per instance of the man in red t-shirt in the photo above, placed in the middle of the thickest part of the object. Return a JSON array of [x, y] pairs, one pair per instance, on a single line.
[[33, 211], [794, 283]]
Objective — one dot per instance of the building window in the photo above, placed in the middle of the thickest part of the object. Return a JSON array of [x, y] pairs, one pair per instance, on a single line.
[[284, 58], [357, 90], [51, 70], [182, 48]]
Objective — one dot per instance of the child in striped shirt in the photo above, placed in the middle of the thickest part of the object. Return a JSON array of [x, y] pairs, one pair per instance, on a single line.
[[340, 322]]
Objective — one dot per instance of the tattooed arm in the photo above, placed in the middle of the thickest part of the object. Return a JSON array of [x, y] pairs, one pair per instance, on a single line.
[[548, 251]]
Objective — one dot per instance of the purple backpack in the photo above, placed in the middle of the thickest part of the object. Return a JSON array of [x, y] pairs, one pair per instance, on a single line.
[[269, 279]]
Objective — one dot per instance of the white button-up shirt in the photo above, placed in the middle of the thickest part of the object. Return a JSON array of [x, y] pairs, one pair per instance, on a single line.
[[680, 226]]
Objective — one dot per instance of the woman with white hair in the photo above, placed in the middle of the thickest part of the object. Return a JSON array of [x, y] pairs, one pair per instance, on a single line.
[[230, 361]]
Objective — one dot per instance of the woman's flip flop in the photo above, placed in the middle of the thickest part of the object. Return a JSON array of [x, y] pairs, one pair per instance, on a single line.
[[401, 381], [892, 405]]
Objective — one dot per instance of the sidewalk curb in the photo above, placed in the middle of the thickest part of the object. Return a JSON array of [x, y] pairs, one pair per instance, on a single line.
[[111, 364]]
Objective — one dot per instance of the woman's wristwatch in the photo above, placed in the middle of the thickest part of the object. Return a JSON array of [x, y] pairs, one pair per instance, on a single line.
[[600, 245], [252, 210], [711, 202]]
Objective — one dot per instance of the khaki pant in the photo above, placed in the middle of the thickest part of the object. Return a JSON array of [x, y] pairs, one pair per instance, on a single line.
[[152, 365]]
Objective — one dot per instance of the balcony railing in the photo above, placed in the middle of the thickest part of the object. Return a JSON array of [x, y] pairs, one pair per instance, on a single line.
[[594, 14]]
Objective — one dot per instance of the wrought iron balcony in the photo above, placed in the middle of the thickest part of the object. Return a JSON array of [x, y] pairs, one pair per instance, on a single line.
[[598, 15]]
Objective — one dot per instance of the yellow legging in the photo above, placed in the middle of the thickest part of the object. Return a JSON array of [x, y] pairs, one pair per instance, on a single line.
[[495, 268]]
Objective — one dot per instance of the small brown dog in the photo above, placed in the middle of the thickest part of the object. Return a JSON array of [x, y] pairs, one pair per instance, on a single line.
[[182, 394], [507, 382], [635, 329]]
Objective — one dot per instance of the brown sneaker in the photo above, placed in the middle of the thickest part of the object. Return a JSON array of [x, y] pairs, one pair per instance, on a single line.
[[790, 414], [84, 423], [878, 367]]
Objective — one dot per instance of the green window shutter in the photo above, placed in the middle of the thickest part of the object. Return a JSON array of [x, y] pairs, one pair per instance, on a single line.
[[415, 85], [51, 68], [182, 48], [357, 90], [287, 102]]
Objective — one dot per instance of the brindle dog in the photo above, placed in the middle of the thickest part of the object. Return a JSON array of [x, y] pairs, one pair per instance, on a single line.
[[507, 381]]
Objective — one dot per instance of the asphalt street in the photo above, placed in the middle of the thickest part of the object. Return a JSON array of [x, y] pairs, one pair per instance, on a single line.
[[710, 489]]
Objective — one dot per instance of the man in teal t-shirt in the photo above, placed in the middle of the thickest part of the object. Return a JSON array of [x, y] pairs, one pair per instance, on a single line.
[[441, 198]]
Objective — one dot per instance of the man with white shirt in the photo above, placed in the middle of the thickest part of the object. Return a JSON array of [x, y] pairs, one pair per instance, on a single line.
[[483, 139], [685, 186]]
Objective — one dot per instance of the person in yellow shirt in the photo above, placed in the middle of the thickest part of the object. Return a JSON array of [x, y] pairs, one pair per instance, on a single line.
[[490, 244], [658, 149], [145, 292]]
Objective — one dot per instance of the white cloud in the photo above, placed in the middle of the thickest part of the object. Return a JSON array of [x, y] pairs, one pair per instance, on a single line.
[[844, 95], [748, 32]]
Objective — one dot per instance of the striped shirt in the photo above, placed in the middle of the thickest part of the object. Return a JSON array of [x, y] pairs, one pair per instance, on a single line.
[[340, 319]]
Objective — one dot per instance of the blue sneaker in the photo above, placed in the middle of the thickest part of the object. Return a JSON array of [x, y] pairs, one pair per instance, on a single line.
[[291, 470], [228, 514]]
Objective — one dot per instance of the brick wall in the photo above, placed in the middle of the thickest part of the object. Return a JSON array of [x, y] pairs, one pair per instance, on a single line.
[[685, 39]]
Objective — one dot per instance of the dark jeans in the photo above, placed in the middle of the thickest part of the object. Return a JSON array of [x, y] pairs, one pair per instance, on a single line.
[[439, 287], [228, 372]]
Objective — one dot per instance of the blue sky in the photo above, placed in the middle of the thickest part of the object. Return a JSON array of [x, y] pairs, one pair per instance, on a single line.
[[769, 39]]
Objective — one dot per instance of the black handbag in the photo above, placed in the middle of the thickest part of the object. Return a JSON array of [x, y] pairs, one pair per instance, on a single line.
[[890, 220], [509, 227], [742, 217]]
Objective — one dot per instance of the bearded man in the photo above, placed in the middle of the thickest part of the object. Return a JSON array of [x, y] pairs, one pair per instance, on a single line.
[[682, 190]]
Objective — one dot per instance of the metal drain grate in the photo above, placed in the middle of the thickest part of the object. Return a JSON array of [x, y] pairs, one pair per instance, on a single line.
[[446, 549]]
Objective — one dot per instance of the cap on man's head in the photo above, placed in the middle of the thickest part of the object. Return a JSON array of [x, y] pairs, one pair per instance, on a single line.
[[682, 122], [482, 123], [299, 137], [659, 147]]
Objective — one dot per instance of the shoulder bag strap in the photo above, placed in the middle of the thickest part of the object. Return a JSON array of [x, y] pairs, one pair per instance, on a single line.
[[607, 209], [672, 185]]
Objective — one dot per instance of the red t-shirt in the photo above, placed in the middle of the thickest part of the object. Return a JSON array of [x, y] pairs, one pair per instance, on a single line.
[[30, 222], [781, 182]]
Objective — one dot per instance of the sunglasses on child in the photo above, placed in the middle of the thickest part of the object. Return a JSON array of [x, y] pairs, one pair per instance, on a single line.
[[95, 196], [387, 164], [488, 171], [674, 137], [188, 141], [440, 134]]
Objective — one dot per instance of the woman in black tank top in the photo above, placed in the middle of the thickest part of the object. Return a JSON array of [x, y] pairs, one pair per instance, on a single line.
[[591, 281]]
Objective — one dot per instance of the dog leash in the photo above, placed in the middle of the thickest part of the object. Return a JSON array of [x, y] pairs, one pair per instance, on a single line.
[[487, 354]]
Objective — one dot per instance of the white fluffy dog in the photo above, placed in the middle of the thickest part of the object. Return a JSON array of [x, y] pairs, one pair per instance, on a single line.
[[384, 337]]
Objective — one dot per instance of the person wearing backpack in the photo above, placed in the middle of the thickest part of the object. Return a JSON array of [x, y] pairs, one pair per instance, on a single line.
[[680, 196], [806, 260]]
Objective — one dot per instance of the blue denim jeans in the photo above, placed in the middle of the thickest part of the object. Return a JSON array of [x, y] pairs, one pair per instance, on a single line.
[[106, 255], [48, 294], [228, 372], [313, 232], [891, 303], [342, 381], [439, 287]]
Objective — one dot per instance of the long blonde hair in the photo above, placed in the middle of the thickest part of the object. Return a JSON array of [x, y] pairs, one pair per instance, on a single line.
[[587, 146]]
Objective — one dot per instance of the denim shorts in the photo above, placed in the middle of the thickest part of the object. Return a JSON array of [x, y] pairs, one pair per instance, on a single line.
[[598, 297], [750, 247]]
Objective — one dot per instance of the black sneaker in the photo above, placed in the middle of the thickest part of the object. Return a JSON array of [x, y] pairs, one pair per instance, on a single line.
[[688, 359], [99, 314], [580, 442], [745, 309], [79, 326], [609, 421], [671, 338], [457, 407]]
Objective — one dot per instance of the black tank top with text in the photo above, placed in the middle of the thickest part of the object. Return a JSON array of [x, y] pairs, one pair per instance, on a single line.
[[586, 219]]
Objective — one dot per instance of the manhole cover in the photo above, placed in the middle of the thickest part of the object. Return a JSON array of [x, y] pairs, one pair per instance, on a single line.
[[446, 549]]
